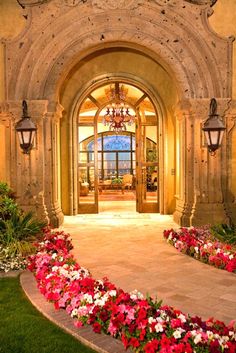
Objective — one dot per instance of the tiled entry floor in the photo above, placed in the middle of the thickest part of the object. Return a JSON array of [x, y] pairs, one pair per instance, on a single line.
[[129, 249]]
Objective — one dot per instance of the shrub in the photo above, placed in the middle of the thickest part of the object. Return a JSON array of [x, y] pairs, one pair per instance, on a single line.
[[18, 232], [7, 202], [225, 233]]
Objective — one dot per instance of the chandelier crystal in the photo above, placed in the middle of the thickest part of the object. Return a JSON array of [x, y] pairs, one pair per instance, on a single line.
[[117, 112]]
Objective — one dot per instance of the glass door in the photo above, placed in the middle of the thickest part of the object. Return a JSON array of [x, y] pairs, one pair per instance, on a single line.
[[147, 199], [87, 170]]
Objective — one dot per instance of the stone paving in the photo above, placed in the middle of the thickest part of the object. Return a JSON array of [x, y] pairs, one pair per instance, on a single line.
[[130, 250]]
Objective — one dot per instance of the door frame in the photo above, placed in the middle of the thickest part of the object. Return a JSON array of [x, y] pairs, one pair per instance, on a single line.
[[73, 132], [141, 167]]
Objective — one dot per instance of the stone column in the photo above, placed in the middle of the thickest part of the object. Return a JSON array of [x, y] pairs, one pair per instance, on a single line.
[[209, 195], [51, 162], [203, 178], [228, 167], [185, 156], [34, 176], [27, 171], [5, 138]]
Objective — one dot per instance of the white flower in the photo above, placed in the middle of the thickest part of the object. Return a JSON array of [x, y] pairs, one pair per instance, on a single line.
[[196, 249], [231, 256], [158, 327], [210, 335], [101, 301], [136, 295], [151, 320], [74, 312], [182, 317], [54, 255], [88, 298], [197, 338], [112, 293], [177, 334]]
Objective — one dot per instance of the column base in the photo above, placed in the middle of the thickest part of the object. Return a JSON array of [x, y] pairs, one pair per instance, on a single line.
[[182, 214], [209, 213], [55, 215]]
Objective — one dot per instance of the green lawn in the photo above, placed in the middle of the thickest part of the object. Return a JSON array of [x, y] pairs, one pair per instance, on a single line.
[[24, 330]]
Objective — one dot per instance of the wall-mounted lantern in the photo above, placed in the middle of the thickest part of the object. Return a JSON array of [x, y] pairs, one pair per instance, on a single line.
[[26, 130], [213, 128]]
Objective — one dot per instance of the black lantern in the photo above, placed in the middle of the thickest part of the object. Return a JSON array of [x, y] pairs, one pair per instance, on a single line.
[[26, 130], [213, 128]]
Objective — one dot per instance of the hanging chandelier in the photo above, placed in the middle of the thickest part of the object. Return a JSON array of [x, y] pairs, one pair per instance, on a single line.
[[117, 112]]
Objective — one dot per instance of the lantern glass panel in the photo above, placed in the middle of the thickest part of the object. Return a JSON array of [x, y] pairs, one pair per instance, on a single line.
[[221, 137], [20, 137], [207, 136], [214, 137], [26, 136]]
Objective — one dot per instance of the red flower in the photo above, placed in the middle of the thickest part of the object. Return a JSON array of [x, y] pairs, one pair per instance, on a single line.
[[215, 347], [142, 314], [134, 342], [125, 340], [151, 347], [97, 327]]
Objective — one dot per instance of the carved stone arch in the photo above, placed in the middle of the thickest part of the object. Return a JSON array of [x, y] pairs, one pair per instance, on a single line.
[[175, 35], [191, 53]]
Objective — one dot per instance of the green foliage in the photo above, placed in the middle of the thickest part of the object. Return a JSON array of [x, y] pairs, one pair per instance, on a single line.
[[5, 190], [225, 233], [17, 232], [7, 202], [17, 229], [24, 330], [117, 181]]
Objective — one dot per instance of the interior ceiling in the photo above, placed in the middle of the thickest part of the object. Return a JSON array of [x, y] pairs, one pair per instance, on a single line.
[[100, 98]]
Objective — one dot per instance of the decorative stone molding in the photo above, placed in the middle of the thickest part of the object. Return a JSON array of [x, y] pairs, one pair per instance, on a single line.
[[24, 3], [118, 4], [202, 2]]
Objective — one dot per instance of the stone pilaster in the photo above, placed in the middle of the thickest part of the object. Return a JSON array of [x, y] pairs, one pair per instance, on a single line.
[[204, 195], [228, 169], [184, 189], [34, 177], [51, 162], [27, 172]]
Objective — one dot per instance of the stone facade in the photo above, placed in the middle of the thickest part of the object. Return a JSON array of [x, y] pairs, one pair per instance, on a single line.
[[60, 36]]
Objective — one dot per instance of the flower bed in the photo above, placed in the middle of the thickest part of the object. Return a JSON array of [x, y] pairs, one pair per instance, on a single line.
[[10, 262], [141, 323], [198, 243]]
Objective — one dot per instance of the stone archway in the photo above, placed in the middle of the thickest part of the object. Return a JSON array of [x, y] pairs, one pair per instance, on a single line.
[[61, 35], [132, 70]]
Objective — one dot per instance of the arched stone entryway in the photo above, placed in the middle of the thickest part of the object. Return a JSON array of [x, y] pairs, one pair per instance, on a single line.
[[57, 43], [155, 82]]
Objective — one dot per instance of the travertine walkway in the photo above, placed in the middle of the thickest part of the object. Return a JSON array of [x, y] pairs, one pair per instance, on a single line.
[[130, 250]]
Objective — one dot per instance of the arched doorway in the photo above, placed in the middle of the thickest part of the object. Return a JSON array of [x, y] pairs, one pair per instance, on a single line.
[[118, 157], [152, 95]]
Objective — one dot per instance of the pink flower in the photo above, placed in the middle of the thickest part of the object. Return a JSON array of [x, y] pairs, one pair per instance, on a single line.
[[112, 329]]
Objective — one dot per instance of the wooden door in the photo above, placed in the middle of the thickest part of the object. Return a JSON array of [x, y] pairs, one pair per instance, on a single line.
[[87, 169], [147, 178]]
